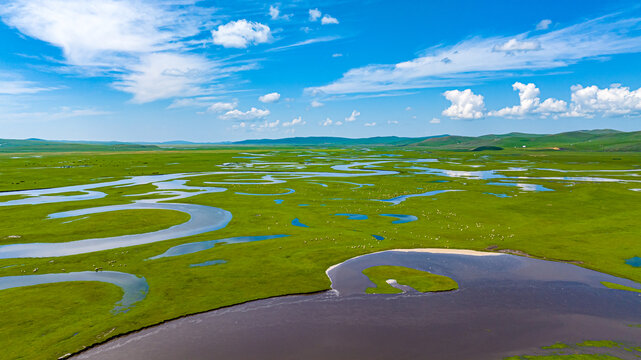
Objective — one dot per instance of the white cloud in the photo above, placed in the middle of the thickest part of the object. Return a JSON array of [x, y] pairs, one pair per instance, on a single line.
[[314, 14], [274, 13], [409, 108], [316, 104], [465, 104], [392, 122], [109, 28], [166, 75], [327, 19], [370, 124], [615, 100], [269, 98], [144, 45], [241, 33], [589, 101], [337, 55], [251, 114], [329, 122], [200, 101], [305, 42], [20, 87], [353, 116], [63, 112], [295, 121], [530, 103], [543, 24], [222, 106], [435, 121], [558, 48], [518, 45]]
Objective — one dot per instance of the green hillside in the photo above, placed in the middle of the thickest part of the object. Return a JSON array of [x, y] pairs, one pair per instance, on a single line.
[[38, 145]]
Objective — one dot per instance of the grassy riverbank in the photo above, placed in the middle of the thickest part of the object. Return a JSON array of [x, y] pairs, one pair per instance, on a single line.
[[593, 224]]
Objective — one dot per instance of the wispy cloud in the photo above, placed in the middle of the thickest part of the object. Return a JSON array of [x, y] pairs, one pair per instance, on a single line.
[[59, 113], [146, 46], [21, 87], [501, 56], [305, 42]]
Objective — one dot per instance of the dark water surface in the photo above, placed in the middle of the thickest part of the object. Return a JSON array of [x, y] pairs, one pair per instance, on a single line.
[[506, 305]]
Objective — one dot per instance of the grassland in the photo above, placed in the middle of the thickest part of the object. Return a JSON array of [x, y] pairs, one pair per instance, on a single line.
[[593, 224], [418, 280]]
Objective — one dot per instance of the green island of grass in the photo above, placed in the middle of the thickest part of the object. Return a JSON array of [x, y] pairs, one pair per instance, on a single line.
[[619, 287], [419, 280]]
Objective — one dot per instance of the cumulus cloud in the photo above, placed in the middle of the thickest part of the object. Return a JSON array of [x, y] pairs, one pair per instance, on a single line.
[[328, 19], [615, 100], [530, 103], [314, 14], [241, 33], [316, 104], [353, 116], [435, 121], [251, 114], [588, 101], [465, 104], [559, 48], [518, 45], [294, 122], [543, 24], [269, 98], [222, 106], [370, 124]]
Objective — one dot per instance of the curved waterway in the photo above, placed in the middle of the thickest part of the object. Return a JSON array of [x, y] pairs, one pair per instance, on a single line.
[[134, 288], [203, 218], [507, 305]]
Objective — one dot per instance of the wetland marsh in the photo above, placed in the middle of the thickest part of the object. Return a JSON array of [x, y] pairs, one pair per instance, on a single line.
[[209, 229]]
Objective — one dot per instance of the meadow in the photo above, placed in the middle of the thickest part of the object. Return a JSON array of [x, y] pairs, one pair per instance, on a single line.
[[570, 206]]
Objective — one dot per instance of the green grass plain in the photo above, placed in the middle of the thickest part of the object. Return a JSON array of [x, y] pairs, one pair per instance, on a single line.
[[591, 224], [418, 280]]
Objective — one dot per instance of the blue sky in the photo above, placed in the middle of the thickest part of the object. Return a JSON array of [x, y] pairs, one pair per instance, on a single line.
[[161, 70]]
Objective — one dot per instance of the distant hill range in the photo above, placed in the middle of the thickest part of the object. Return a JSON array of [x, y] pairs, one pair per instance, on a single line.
[[39, 145], [584, 140]]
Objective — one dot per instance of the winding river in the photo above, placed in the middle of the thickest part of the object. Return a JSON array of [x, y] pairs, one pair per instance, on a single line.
[[506, 305]]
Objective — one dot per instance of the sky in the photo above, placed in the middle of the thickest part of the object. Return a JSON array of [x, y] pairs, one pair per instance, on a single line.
[[210, 71]]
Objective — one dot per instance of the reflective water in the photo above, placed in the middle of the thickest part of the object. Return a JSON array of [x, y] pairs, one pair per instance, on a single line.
[[522, 187], [194, 247], [399, 199], [402, 219], [353, 216], [378, 237], [635, 261], [498, 195], [203, 219], [506, 305], [297, 222], [209, 263], [135, 288], [289, 191]]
